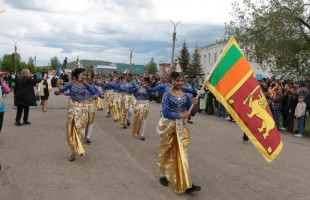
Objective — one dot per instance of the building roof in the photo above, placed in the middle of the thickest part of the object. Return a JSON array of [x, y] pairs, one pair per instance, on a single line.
[[213, 44], [122, 68]]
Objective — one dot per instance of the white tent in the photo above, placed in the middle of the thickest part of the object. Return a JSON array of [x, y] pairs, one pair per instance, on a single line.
[[106, 67]]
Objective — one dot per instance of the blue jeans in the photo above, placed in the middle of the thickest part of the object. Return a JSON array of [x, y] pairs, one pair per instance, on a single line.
[[276, 115], [221, 110], [301, 121]]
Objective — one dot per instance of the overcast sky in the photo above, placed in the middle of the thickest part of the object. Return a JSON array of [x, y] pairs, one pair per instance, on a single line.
[[101, 29]]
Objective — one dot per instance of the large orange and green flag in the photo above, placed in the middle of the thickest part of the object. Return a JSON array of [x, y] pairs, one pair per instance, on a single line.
[[234, 84]]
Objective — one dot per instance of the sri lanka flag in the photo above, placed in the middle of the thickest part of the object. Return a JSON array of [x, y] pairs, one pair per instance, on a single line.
[[234, 84]]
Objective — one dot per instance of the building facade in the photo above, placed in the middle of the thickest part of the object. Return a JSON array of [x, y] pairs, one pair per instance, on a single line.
[[211, 53], [163, 69]]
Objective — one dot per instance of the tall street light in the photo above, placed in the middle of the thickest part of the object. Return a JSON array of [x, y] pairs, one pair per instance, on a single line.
[[35, 63], [130, 57], [174, 39], [15, 53]]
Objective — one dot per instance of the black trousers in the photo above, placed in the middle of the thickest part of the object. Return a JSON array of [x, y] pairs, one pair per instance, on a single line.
[[19, 113], [290, 121], [245, 137], [1, 120]]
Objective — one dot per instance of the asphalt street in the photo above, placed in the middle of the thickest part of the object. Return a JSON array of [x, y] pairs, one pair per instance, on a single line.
[[119, 166]]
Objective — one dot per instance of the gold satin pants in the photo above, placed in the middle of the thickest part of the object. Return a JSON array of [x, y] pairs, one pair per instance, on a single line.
[[128, 101], [99, 103], [75, 123], [141, 112], [109, 101], [172, 159]]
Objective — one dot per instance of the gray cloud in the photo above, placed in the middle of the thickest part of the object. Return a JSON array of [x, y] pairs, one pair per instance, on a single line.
[[99, 28]]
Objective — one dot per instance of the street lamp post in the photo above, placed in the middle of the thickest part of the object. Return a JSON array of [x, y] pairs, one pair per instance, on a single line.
[[35, 63], [130, 57], [15, 53], [174, 39]]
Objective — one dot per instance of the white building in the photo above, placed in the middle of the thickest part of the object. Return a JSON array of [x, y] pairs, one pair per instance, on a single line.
[[211, 53]]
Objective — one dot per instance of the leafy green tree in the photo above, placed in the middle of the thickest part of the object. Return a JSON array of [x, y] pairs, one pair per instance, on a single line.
[[24, 65], [8, 62], [151, 66], [195, 65], [54, 62], [275, 33], [30, 64], [31, 61], [184, 58], [42, 69]]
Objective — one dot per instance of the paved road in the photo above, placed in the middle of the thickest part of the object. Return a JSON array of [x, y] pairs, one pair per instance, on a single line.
[[119, 166]]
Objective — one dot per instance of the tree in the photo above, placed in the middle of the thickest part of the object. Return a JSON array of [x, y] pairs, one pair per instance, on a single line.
[[42, 69], [30, 64], [31, 61], [184, 58], [274, 33], [8, 62], [54, 62], [195, 65], [151, 67], [24, 65]]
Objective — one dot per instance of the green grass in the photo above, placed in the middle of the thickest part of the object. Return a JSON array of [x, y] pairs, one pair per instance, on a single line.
[[307, 128]]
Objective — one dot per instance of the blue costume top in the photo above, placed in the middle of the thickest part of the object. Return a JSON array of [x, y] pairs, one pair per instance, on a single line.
[[173, 106], [98, 85], [79, 93], [142, 94], [129, 88], [115, 86], [161, 89], [164, 88]]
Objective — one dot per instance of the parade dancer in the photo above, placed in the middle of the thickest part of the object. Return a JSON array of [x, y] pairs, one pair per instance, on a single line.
[[90, 105], [174, 138], [79, 91], [99, 101], [115, 98], [108, 96], [142, 109], [128, 100]]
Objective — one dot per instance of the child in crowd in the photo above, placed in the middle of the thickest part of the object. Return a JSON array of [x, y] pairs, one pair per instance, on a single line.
[[300, 112]]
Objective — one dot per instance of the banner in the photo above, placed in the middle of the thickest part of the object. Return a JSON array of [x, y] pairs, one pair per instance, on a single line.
[[234, 84]]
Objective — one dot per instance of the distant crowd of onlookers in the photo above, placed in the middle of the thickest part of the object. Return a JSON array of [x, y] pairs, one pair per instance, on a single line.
[[288, 99]]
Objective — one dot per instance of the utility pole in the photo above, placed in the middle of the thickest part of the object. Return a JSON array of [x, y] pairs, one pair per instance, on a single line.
[[174, 39], [15, 53]]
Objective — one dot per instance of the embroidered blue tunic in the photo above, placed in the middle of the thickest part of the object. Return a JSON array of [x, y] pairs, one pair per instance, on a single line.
[[173, 106], [142, 94], [115, 86], [129, 88], [79, 93]]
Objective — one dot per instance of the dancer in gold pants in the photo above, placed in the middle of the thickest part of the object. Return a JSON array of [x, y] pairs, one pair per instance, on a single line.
[[174, 138], [79, 92]]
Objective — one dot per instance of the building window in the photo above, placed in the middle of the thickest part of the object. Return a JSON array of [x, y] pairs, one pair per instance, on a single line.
[[204, 59], [209, 58], [215, 57]]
